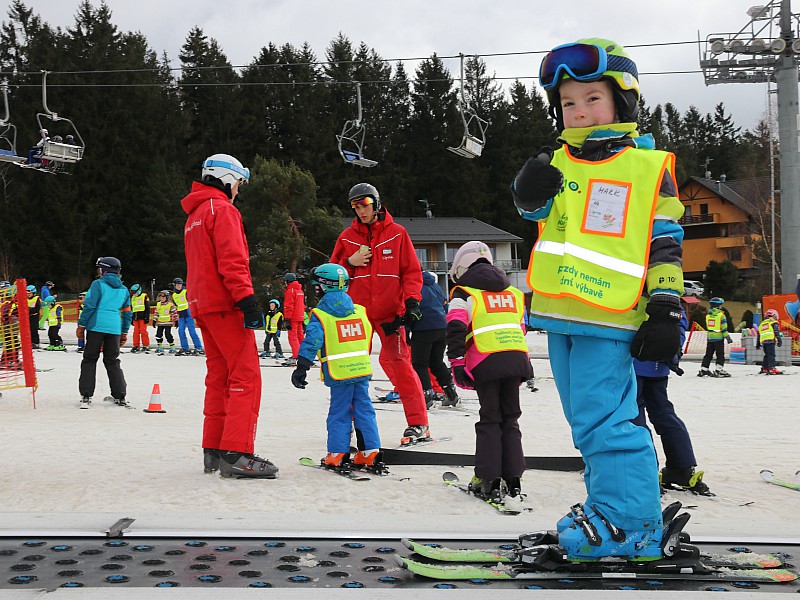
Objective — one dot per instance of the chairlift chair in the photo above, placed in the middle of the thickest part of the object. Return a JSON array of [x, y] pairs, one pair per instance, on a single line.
[[8, 134], [56, 154], [351, 140], [474, 126]]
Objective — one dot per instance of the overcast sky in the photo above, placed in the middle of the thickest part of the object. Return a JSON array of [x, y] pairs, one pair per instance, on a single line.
[[417, 28]]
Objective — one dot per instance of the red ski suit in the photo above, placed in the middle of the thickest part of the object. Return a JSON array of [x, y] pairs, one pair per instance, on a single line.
[[391, 277], [218, 267], [294, 311]]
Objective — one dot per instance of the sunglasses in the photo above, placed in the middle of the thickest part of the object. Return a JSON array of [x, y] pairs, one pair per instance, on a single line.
[[583, 62], [363, 201]]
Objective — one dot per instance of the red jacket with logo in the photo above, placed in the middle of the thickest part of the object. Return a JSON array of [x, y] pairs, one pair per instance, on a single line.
[[294, 302], [217, 255], [393, 274]]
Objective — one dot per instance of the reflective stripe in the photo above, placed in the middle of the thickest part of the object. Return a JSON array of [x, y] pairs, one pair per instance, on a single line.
[[494, 328], [609, 262], [343, 355]]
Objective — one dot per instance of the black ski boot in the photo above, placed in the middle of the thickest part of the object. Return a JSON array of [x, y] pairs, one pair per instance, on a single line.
[[685, 479], [430, 399], [451, 396], [210, 460], [241, 465]]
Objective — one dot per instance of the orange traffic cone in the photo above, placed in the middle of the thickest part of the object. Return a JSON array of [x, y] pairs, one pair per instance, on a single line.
[[155, 401]]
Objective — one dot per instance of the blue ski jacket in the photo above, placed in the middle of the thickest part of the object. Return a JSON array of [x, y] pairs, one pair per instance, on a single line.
[[107, 307]]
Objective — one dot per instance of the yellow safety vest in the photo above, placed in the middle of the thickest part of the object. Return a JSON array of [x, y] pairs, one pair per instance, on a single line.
[[54, 318], [164, 313], [496, 318], [595, 245], [765, 331], [137, 302], [272, 322], [32, 301], [347, 342], [179, 298]]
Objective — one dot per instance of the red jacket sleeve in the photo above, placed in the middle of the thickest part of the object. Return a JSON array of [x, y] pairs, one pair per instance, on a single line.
[[411, 273], [233, 255]]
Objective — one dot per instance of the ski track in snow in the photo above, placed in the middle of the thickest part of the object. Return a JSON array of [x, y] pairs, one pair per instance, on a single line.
[[67, 467]]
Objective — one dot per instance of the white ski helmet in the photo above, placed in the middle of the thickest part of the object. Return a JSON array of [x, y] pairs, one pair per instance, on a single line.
[[225, 168], [466, 256]]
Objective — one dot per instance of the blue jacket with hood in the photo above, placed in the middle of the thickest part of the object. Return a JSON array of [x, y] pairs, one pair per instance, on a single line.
[[338, 304], [107, 307], [433, 305]]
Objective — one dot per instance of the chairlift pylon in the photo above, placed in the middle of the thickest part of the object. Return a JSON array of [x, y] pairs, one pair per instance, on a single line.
[[474, 126], [351, 140], [55, 155], [8, 133]]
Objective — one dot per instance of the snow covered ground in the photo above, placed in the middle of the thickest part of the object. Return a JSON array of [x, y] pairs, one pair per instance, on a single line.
[[67, 469]]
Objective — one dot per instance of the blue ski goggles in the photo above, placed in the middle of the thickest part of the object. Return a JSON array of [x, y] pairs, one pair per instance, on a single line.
[[583, 62]]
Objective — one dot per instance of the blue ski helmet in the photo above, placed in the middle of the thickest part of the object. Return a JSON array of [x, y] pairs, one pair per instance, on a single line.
[[329, 277], [276, 301], [716, 301], [136, 288], [31, 288]]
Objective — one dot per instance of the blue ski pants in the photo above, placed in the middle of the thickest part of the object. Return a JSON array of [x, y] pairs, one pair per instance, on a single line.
[[185, 323], [597, 385], [652, 397], [351, 405]]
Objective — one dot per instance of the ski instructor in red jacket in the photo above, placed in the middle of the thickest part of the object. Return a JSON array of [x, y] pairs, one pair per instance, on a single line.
[[386, 279], [222, 301]]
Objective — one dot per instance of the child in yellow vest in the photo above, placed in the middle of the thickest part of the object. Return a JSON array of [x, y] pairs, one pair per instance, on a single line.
[[769, 336], [341, 332], [273, 323], [55, 317], [164, 320], [487, 352], [607, 279]]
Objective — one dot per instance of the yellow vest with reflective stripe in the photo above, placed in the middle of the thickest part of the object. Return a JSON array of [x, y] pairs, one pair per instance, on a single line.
[[53, 317], [496, 318], [163, 313], [179, 298], [32, 301], [347, 344], [765, 331], [595, 245], [272, 322], [137, 302]]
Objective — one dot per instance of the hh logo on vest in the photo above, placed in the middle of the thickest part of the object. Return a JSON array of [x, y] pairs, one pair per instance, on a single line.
[[499, 302], [351, 330]]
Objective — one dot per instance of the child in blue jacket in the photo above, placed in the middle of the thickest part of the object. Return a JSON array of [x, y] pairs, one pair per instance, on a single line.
[[342, 334]]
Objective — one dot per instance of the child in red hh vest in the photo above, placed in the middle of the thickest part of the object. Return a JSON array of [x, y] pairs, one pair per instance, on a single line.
[[341, 332], [487, 351]]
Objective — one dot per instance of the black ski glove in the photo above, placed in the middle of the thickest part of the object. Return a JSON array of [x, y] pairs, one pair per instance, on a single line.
[[253, 318], [413, 311], [288, 326], [299, 374], [537, 181], [659, 337], [674, 366], [391, 327], [461, 378], [729, 339]]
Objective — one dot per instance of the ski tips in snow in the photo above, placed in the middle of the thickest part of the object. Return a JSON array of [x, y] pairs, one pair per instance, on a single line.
[[770, 477]]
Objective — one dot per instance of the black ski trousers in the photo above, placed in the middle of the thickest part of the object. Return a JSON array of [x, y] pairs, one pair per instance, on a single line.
[[714, 347], [109, 343], [273, 337], [498, 439], [769, 361], [427, 352]]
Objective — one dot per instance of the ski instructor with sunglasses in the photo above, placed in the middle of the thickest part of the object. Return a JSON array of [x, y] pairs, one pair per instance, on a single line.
[[606, 276], [385, 278]]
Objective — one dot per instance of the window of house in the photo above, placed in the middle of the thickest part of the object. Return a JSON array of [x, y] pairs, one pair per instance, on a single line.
[[735, 255], [704, 209], [423, 254], [687, 212]]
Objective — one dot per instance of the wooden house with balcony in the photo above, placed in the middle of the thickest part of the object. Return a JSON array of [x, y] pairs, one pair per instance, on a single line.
[[721, 222], [436, 240]]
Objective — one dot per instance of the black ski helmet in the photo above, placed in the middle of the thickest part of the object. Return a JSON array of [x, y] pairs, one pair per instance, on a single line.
[[360, 190], [177, 280], [109, 264]]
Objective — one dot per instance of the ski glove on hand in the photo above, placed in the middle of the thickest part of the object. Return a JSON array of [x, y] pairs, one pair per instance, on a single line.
[[299, 374], [659, 337], [461, 378], [729, 339], [413, 311], [288, 326], [123, 339], [253, 318], [80, 332], [391, 327], [537, 181]]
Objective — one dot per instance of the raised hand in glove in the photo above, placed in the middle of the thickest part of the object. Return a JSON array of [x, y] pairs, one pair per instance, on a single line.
[[80, 332], [537, 181], [300, 372], [413, 311], [659, 337], [391, 327], [253, 317]]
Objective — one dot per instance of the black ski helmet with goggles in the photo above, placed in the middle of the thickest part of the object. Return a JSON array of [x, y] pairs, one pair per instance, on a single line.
[[592, 59], [363, 190]]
